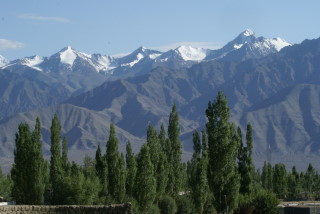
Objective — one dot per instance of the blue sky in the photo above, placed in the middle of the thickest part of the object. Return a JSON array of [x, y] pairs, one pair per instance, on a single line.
[[43, 27]]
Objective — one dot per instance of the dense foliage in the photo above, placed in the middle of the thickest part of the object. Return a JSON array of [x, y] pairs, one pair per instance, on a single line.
[[219, 178]]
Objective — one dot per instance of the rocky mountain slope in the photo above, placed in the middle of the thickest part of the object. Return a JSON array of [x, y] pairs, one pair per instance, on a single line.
[[277, 93]]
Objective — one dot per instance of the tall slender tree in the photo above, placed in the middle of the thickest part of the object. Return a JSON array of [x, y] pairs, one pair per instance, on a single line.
[[56, 172], [245, 165], [131, 168], [64, 155], [222, 152], [28, 171], [267, 176], [145, 181], [112, 157], [101, 169], [121, 180], [154, 145], [198, 180], [174, 148], [37, 168], [280, 185]]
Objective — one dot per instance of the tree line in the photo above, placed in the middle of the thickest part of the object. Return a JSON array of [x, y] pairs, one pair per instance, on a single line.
[[219, 178]]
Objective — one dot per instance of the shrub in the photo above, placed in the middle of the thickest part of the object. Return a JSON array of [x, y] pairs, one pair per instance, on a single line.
[[167, 205]]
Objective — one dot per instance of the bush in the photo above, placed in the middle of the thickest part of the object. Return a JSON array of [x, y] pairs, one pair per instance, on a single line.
[[154, 209], [265, 202], [167, 205], [184, 205]]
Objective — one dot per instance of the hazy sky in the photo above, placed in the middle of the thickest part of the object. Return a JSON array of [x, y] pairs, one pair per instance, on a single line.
[[43, 27]]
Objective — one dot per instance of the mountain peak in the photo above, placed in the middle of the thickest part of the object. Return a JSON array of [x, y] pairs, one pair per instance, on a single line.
[[189, 53], [248, 32], [67, 48], [3, 61], [68, 55]]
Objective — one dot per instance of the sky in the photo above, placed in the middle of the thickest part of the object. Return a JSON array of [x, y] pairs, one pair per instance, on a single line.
[[112, 27]]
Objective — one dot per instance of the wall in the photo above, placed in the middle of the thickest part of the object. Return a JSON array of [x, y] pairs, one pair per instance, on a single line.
[[66, 209]]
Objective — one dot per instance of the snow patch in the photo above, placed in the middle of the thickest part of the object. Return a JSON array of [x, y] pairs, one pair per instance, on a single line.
[[248, 32], [3, 61], [154, 56], [237, 46], [279, 43], [32, 61], [68, 56], [130, 64], [189, 53]]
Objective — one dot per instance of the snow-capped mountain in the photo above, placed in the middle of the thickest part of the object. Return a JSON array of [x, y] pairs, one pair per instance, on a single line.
[[245, 45], [3, 61]]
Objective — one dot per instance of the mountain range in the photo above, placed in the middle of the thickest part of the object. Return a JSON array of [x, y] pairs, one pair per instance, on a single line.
[[268, 82]]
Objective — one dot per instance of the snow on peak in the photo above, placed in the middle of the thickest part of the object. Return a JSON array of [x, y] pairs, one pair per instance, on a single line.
[[142, 48], [32, 61], [191, 53], [68, 55], [130, 64], [3, 61], [248, 32], [279, 43]]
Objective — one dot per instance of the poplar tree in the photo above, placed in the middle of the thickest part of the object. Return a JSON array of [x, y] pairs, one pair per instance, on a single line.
[[28, 170], [294, 184], [131, 168], [198, 173], [245, 165], [112, 157], [162, 138], [121, 180], [267, 176], [174, 148], [64, 156], [102, 172], [56, 172], [222, 152], [37, 166], [154, 145], [280, 185], [145, 181], [19, 171]]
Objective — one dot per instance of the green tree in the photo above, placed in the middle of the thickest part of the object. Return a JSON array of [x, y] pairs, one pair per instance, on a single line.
[[121, 180], [294, 184], [309, 179], [162, 175], [112, 157], [131, 168], [267, 176], [56, 171], [162, 138], [280, 180], [222, 152], [174, 148], [64, 156], [197, 170], [5, 185], [37, 169], [20, 166], [145, 181], [71, 186], [28, 169], [245, 165], [102, 172], [91, 185]]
